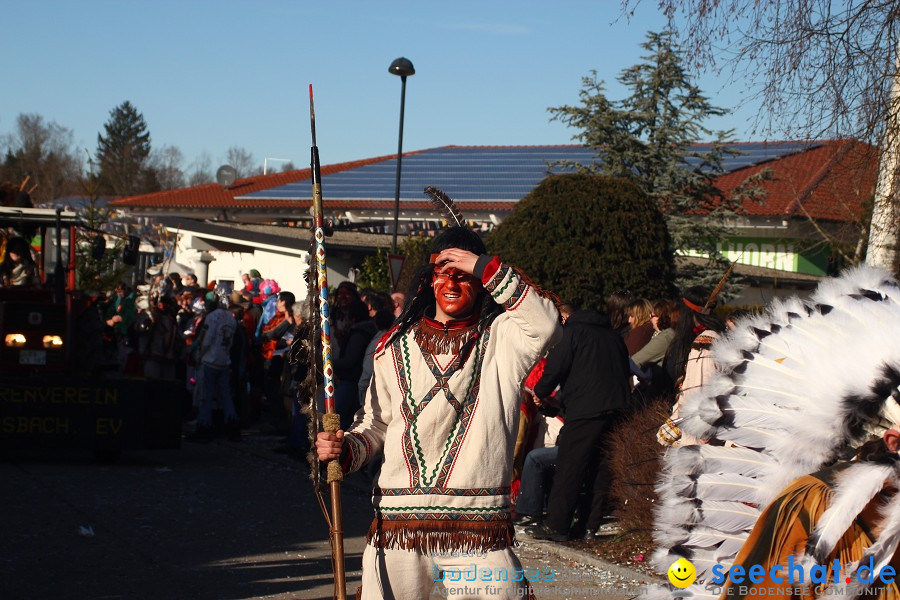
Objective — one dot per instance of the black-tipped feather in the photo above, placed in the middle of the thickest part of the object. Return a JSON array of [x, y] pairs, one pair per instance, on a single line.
[[446, 205]]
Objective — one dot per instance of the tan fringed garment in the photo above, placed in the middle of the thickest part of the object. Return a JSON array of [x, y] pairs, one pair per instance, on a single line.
[[783, 529]]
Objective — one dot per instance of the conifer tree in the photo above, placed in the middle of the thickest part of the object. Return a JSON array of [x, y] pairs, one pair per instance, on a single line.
[[96, 270], [648, 138], [124, 152]]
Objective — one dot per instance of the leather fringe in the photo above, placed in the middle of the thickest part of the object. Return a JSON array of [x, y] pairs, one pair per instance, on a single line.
[[435, 340], [441, 536]]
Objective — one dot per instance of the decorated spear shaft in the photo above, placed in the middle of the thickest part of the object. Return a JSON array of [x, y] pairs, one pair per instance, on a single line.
[[330, 420]]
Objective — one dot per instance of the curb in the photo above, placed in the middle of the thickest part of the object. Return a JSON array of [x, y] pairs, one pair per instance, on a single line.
[[575, 555]]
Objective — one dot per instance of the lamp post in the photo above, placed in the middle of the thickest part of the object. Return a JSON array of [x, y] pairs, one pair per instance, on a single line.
[[404, 68]]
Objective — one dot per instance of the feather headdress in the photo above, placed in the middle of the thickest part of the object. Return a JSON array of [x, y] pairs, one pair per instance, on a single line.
[[446, 206], [796, 387]]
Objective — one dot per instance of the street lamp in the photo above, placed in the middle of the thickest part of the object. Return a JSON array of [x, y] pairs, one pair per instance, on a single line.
[[404, 68]]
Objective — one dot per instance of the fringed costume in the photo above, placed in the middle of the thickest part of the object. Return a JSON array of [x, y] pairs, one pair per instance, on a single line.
[[443, 407]]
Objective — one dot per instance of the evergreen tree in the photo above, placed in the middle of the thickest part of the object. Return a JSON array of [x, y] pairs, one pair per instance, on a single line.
[[647, 137], [374, 272], [98, 273], [124, 152], [585, 236]]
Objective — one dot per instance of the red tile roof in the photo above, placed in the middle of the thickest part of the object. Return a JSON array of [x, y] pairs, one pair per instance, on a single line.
[[213, 195], [830, 182]]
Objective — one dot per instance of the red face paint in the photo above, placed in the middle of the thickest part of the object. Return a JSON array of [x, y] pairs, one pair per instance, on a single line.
[[455, 293]]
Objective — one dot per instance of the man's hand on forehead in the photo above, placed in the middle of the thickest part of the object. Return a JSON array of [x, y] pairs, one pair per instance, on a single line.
[[454, 258]]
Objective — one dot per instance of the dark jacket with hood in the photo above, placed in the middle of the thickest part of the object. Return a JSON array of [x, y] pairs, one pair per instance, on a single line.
[[590, 365]]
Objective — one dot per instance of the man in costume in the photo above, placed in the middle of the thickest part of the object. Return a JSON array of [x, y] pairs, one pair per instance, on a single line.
[[443, 407], [797, 389]]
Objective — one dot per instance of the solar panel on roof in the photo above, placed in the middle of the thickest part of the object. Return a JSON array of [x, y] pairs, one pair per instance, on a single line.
[[485, 173]]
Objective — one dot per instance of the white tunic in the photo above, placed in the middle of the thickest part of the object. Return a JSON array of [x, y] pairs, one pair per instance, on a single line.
[[448, 429]]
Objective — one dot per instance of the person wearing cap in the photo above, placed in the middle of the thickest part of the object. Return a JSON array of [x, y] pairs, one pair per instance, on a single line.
[[443, 410]]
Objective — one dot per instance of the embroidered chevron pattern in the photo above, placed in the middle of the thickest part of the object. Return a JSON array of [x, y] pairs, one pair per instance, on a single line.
[[438, 491], [521, 291], [411, 410], [470, 404], [502, 272]]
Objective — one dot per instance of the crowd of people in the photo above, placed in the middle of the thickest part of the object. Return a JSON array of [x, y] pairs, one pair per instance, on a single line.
[[228, 353], [229, 349], [608, 365]]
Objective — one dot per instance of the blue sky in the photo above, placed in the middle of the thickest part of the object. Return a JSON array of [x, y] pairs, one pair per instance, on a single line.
[[212, 74]]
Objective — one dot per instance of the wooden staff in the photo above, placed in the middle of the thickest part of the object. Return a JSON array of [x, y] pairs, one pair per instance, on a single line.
[[331, 421]]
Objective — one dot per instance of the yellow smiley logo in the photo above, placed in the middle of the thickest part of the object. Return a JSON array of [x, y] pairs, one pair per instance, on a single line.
[[682, 573]]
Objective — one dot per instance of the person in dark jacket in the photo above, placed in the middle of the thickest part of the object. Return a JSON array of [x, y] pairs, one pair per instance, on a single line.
[[348, 360], [590, 366]]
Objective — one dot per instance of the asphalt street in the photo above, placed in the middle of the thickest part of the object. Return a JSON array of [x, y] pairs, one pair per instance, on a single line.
[[208, 521]]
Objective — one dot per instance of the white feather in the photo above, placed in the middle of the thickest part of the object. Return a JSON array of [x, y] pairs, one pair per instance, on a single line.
[[743, 461], [729, 548], [729, 517], [854, 489], [889, 537], [726, 486]]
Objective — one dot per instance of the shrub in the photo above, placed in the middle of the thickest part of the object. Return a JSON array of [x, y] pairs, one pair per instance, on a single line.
[[585, 236]]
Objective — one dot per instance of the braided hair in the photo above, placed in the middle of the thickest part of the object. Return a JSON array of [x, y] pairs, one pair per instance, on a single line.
[[420, 299]]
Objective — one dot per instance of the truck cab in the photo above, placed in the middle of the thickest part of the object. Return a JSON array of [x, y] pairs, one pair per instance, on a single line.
[[47, 397]]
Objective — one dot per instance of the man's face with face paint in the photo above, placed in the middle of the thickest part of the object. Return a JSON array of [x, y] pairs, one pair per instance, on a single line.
[[455, 293]]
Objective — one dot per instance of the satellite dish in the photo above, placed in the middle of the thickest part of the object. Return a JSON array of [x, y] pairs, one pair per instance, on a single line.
[[226, 175]]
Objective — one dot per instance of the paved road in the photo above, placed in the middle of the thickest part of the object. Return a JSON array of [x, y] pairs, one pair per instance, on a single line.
[[208, 521]]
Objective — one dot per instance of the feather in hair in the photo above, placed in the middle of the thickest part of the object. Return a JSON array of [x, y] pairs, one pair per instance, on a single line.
[[719, 287], [446, 205]]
